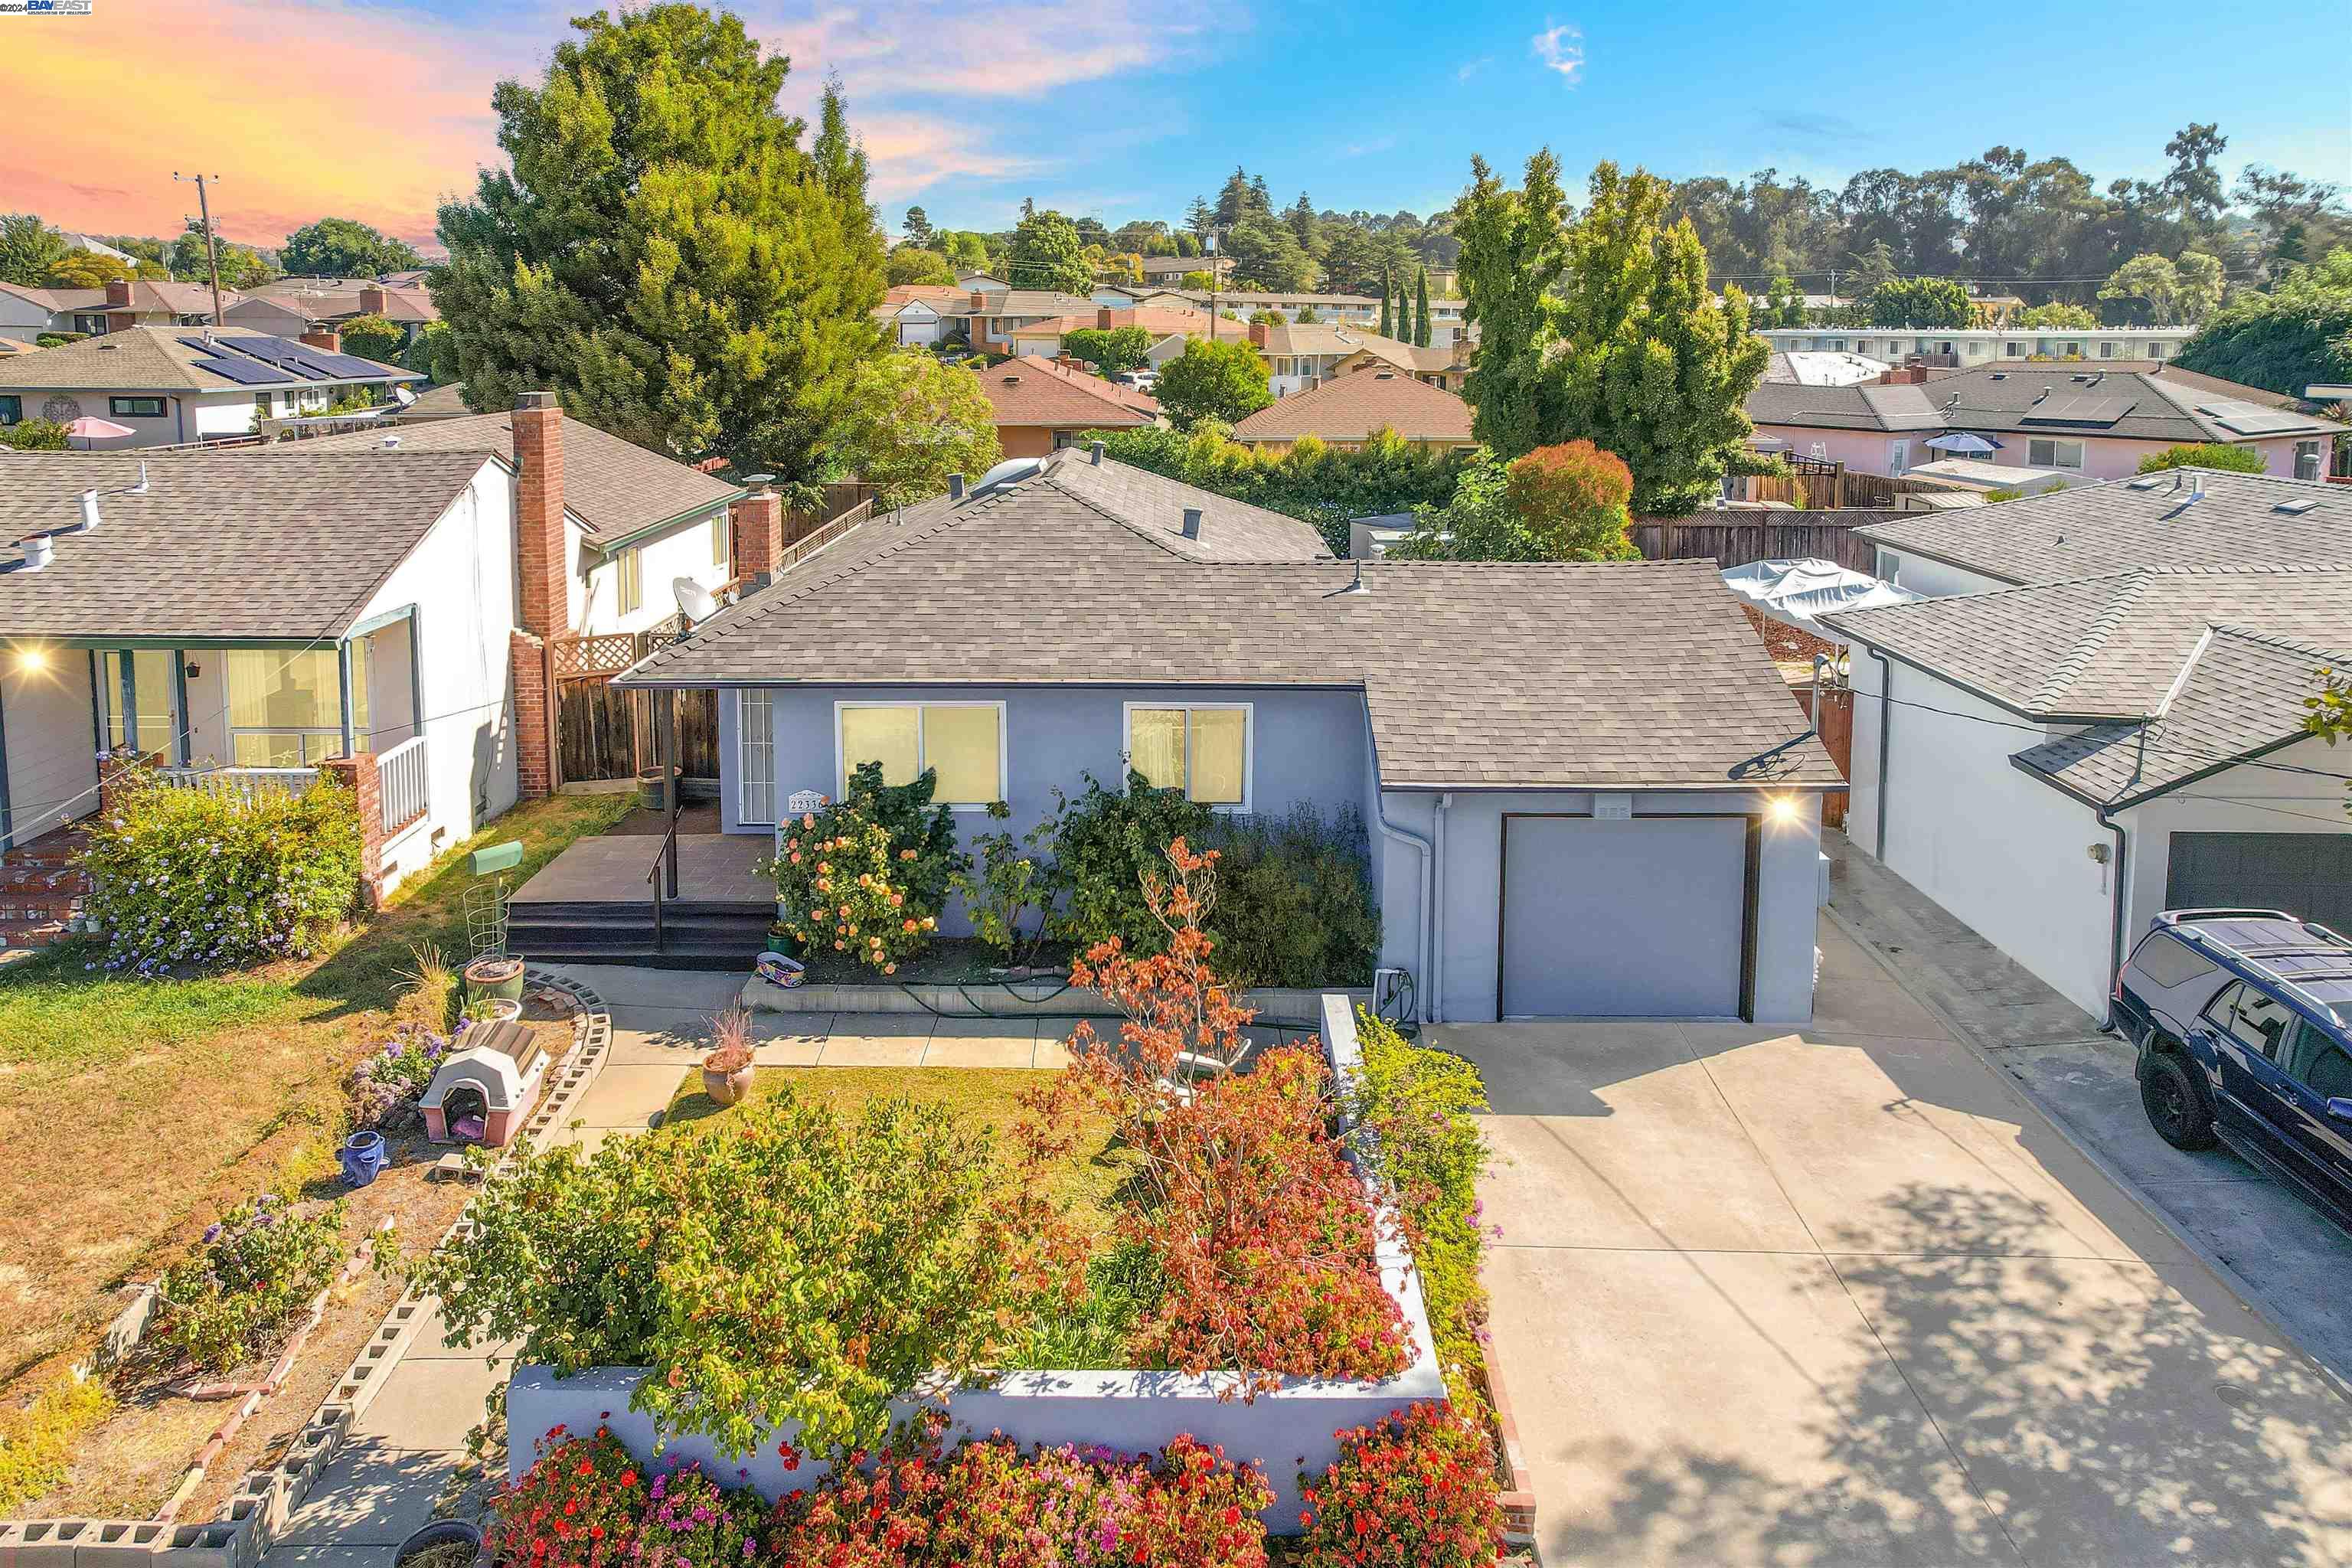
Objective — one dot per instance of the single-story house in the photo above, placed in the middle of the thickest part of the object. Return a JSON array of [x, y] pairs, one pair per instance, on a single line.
[[635, 521], [1162, 268], [1041, 407], [986, 319], [1585, 790], [291, 306], [2092, 422], [120, 303], [1349, 410], [1300, 355], [1043, 338], [2101, 715], [181, 385], [912, 328]]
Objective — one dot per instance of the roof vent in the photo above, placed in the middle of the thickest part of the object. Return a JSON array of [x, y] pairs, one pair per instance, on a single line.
[[88, 513], [391, 443], [1383, 375], [1095, 450], [1358, 586], [2044, 392], [2000, 375], [2297, 508], [955, 487], [1192, 522]]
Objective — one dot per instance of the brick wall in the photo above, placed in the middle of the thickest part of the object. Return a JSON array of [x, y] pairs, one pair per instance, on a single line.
[[759, 528], [539, 514], [359, 775], [533, 716]]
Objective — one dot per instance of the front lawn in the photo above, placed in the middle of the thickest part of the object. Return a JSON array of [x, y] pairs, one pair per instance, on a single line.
[[133, 1110]]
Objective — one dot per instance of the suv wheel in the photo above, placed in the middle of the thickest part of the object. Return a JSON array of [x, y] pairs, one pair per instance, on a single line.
[[2175, 1104]]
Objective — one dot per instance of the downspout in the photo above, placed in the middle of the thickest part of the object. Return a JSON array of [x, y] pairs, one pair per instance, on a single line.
[[1437, 905], [1428, 877], [2116, 931], [1886, 718]]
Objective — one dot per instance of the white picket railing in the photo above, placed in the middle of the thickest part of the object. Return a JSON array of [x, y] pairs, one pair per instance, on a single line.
[[248, 782], [404, 783]]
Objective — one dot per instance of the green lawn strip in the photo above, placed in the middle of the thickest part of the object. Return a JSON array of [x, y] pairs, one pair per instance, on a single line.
[[1089, 1181]]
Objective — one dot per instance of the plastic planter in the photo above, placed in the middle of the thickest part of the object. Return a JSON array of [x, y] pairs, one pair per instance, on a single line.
[[361, 1158]]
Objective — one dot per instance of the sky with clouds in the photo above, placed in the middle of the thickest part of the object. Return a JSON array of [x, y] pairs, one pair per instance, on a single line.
[[1126, 109]]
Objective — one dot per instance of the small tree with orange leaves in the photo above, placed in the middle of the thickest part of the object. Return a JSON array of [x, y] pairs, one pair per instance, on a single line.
[[1259, 1227]]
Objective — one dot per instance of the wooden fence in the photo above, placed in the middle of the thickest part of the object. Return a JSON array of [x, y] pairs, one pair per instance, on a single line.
[[1829, 486], [1735, 538], [605, 733]]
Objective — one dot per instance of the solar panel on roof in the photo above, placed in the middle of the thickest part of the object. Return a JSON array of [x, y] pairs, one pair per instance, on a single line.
[[2250, 419], [244, 372], [2085, 410], [346, 364]]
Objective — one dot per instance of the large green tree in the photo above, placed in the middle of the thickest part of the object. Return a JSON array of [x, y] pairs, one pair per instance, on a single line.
[[372, 337], [241, 266], [1268, 253], [1112, 352], [1920, 302], [910, 422], [2060, 315], [668, 251], [912, 264], [1224, 379], [2297, 335], [344, 247], [30, 250], [1604, 330], [1047, 253]]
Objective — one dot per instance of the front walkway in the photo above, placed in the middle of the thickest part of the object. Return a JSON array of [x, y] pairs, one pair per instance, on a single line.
[[1839, 1297]]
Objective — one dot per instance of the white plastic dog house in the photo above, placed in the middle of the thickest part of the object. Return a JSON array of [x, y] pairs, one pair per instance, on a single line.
[[481, 1094]]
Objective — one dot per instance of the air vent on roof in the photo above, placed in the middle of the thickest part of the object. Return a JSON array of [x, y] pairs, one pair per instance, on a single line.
[[2147, 484], [2078, 378], [2297, 508], [2000, 375]]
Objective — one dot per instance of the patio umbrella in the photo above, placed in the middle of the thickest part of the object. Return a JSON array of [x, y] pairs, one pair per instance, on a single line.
[[90, 428], [1961, 444]]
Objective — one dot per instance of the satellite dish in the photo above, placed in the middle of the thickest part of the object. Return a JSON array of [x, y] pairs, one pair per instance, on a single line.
[[405, 397], [693, 599]]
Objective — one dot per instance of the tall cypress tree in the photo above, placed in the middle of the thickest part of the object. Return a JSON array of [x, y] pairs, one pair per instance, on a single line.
[[1514, 249], [667, 252], [1387, 320], [1421, 311]]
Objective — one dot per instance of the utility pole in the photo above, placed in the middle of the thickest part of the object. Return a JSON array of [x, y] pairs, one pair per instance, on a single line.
[[212, 252], [1209, 249]]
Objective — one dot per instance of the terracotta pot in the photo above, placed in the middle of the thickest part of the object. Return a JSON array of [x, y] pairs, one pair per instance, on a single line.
[[727, 1088]]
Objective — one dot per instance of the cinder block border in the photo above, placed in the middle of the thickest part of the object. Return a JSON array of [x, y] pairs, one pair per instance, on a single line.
[[253, 1517]]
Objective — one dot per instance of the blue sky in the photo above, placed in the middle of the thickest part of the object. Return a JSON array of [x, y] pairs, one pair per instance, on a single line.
[[1122, 108]]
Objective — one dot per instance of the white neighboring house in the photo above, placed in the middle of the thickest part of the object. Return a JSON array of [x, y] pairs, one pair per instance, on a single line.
[[2099, 714], [177, 386], [1972, 347]]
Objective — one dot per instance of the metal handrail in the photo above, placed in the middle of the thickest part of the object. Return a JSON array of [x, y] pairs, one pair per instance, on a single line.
[[653, 877]]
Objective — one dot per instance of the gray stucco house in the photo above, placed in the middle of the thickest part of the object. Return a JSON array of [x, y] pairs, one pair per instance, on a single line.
[[1588, 792]]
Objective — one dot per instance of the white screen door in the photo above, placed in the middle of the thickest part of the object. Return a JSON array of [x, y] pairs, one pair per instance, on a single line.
[[755, 739]]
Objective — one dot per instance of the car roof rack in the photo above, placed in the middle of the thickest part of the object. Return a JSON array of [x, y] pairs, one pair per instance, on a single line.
[[2323, 942]]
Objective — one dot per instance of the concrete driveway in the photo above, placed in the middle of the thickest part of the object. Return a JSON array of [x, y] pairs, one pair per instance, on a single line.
[[1842, 1297]]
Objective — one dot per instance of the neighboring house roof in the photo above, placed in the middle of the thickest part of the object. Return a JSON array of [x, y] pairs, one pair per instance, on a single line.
[[337, 304], [898, 296], [1254, 296], [282, 541], [2241, 694], [1336, 339], [1352, 407], [1164, 266], [1035, 302], [615, 488], [1158, 320], [2243, 520], [1821, 367], [2050, 400], [2087, 648], [1615, 675], [1029, 391], [46, 298], [183, 359], [440, 402]]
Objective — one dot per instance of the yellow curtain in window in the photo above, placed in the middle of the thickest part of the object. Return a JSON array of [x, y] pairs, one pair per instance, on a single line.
[[1155, 742], [963, 746], [886, 735], [1220, 743]]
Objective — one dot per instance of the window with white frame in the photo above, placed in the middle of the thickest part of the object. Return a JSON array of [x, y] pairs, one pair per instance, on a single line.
[[1201, 749], [719, 539], [2054, 454], [755, 748], [2012, 350], [629, 580], [961, 743]]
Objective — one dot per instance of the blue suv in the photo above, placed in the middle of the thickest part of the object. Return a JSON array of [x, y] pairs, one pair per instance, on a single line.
[[2243, 1021]]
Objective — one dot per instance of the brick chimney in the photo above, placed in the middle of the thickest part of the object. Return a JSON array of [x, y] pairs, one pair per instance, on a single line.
[[118, 290], [373, 299], [1102, 318], [542, 582], [978, 301], [1258, 331], [325, 338], [758, 530]]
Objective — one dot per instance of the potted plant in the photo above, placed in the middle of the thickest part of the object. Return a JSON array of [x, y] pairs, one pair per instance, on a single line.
[[494, 976], [726, 1070], [781, 939]]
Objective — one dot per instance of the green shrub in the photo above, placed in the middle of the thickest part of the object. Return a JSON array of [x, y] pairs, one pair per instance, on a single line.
[[34, 436], [2204, 455], [790, 1264], [1102, 843], [37, 1442], [1414, 1490], [188, 877], [1009, 888], [1415, 1112], [1312, 481], [867, 875], [257, 1268], [1294, 900]]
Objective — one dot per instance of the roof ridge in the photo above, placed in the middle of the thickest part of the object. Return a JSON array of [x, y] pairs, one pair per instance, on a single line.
[[1158, 537], [2062, 675], [2277, 640]]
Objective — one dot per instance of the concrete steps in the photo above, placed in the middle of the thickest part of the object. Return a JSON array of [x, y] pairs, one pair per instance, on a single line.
[[696, 935]]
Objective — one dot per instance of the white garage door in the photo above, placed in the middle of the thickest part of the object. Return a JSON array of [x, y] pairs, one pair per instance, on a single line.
[[1645, 918]]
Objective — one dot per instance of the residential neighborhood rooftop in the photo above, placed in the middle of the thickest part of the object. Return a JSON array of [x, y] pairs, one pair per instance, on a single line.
[[1352, 407], [613, 487], [271, 542], [2059, 400], [1030, 390], [2153, 520], [1622, 676], [194, 359]]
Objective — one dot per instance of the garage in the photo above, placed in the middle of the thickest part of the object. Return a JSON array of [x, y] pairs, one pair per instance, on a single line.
[[1627, 918], [2305, 874]]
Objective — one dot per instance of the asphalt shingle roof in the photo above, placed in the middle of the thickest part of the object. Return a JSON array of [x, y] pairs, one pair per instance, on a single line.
[[1031, 391], [149, 358], [2146, 522], [2061, 400], [2097, 648], [283, 541], [1616, 676], [1350, 407], [613, 487], [2243, 693]]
